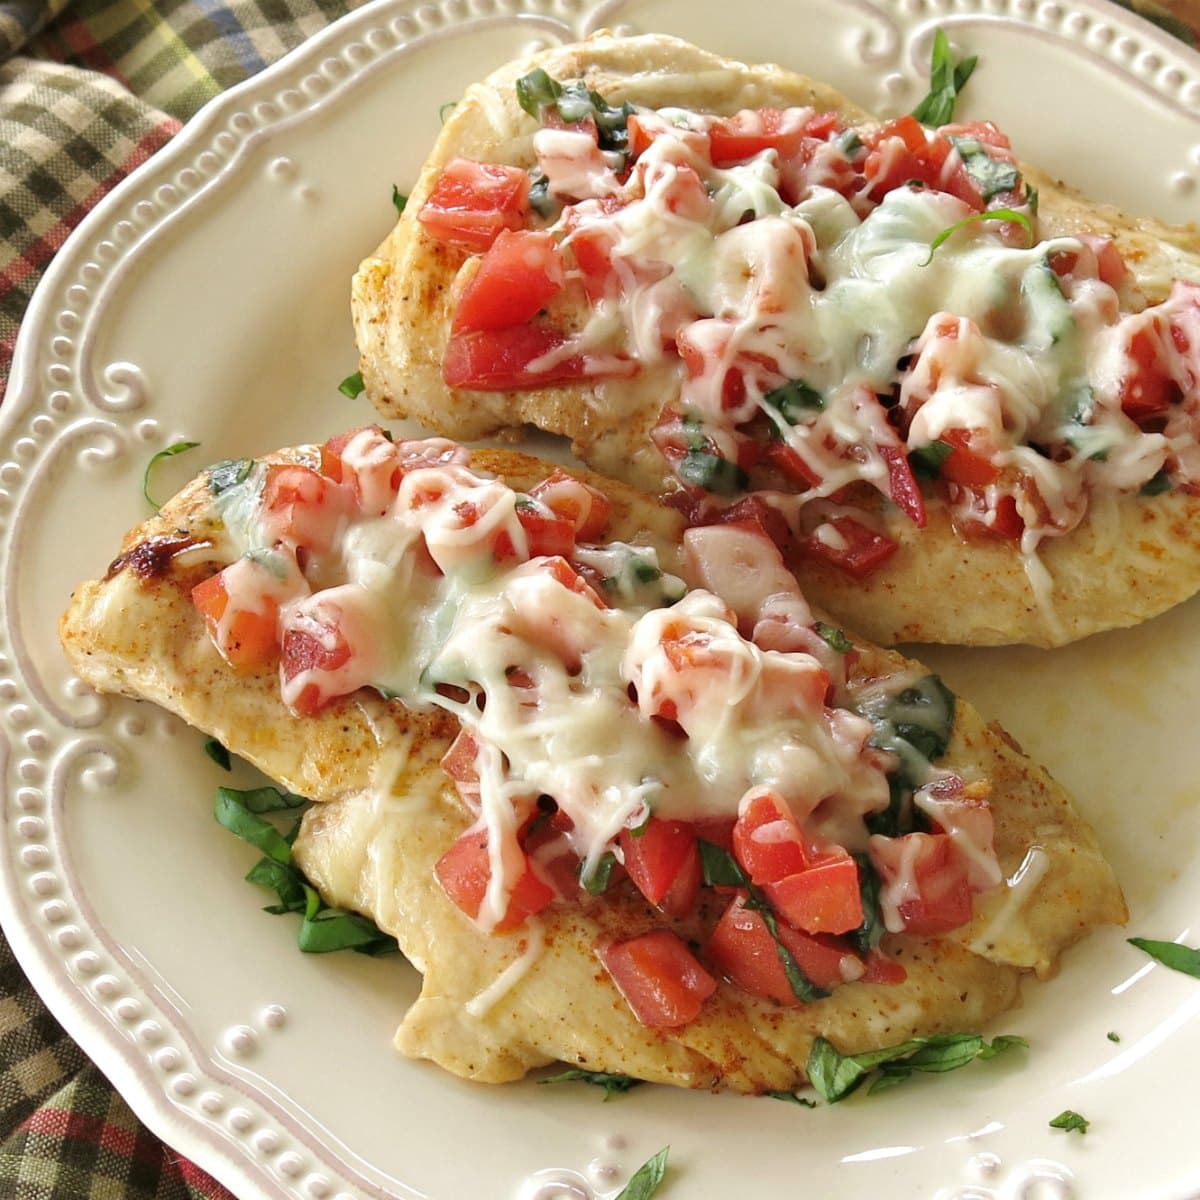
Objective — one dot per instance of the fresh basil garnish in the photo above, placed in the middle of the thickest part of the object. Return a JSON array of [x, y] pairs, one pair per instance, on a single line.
[[1170, 954], [352, 386], [992, 214], [218, 753], [1071, 1121], [399, 199], [228, 474], [613, 1085], [575, 102], [991, 176], [709, 471], [926, 461], [946, 79], [870, 933], [795, 401], [597, 882], [323, 929], [835, 1075], [834, 638], [1158, 483], [1113, 1036], [792, 1098], [169, 452], [647, 1178]]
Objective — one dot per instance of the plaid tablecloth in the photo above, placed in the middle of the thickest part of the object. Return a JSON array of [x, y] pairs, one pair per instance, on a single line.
[[88, 91]]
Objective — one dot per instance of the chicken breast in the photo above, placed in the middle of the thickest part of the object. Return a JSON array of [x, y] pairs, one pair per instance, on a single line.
[[1132, 555], [495, 1005]]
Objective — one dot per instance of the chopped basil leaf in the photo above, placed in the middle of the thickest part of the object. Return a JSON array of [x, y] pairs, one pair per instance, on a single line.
[[990, 175], [575, 102], [711, 472], [836, 1075], [946, 80], [446, 109], [1158, 483], [240, 820], [870, 933], [1170, 954], [645, 572], [647, 1178], [536, 91], [613, 1085], [992, 214], [169, 452], [352, 385], [1031, 198], [323, 929], [848, 142], [228, 474], [597, 882], [1071, 1121], [916, 724], [834, 638], [926, 461], [217, 753], [399, 199], [1113, 1037], [795, 401], [721, 869], [792, 1098], [540, 199]]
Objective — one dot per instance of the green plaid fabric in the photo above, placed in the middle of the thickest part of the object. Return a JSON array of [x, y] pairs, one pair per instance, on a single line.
[[88, 91]]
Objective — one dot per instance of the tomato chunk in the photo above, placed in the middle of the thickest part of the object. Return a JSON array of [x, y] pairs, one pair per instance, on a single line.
[[1148, 391], [742, 949], [302, 506], [503, 360], [305, 651], [587, 508], [768, 842], [518, 276], [247, 640], [464, 872], [751, 131], [659, 977], [822, 898], [968, 462], [656, 856], [472, 202], [461, 763], [925, 888], [368, 462], [848, 545], [548, 533]]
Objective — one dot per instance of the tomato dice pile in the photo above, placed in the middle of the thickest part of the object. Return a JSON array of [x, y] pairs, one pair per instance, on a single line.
[[559, 257], [751, 890]]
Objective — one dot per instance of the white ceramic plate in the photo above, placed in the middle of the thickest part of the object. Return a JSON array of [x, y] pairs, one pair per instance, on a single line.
[[207, 299]]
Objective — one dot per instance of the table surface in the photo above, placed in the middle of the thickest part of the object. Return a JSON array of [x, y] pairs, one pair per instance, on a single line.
[[83, 102]]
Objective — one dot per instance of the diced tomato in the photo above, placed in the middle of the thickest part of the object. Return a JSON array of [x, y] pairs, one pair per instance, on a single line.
[[924, 881], [822, 898], [850, 547], [472, 202], [881, 969], [305, 651], [716, 830], [788, 462], [754, 510], [902, 486], [251, 638], [461, 763], [1148, 390], [742, 949], [659, 977], [302, 506], [587, 508], [655, 856], [767, 840], [502, 360], [975, 516], [571, 579], [639, 136], [1110, 265], [548, 533], [518, 276], [368, 462], [464, 872], [968, 461], [679, 900], [751, 131]]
